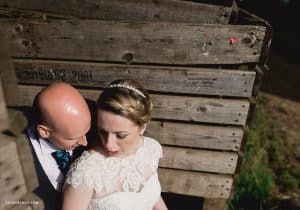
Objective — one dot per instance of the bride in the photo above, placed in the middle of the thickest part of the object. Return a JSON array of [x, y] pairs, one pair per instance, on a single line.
[[121, 172]]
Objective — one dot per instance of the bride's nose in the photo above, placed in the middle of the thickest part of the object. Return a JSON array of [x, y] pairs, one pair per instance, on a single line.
[[111, 144]]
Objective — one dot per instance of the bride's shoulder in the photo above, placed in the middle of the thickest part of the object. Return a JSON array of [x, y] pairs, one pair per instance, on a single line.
[[151, 142], [88, 158], [86, 170], [153, 146]]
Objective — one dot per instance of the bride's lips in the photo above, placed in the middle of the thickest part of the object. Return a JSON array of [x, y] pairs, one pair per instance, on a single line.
[[112, 153]]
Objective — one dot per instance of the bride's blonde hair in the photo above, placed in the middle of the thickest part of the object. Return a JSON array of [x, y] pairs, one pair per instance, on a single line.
[[127, 98]]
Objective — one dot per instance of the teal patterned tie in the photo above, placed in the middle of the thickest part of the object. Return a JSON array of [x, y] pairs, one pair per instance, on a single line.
[[63, 160]]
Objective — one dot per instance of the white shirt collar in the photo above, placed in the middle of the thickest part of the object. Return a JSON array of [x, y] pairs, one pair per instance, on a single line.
[[43, 149]]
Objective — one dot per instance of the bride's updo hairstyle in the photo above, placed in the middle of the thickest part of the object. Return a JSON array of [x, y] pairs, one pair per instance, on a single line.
[[127, 98]]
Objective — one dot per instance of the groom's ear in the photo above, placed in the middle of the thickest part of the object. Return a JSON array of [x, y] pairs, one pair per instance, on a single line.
[[43, 131]]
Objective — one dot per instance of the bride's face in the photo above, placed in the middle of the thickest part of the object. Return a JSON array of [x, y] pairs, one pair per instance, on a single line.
[[119, 135]]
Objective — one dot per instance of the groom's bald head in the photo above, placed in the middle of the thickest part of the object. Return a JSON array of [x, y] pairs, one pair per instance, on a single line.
[[64, 116]]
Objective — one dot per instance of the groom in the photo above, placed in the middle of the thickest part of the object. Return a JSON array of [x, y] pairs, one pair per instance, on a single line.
[[62, 119]]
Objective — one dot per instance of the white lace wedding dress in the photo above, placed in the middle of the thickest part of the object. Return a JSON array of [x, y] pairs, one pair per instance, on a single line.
[[128, 183]]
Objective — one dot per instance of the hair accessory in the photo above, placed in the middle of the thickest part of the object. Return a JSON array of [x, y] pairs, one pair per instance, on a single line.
[[128, 87]]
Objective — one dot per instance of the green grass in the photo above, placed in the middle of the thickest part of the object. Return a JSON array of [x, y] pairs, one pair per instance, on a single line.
[[255, 180], [266, 169]]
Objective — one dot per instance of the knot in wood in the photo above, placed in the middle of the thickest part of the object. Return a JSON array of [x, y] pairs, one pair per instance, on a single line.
[[128, 57]]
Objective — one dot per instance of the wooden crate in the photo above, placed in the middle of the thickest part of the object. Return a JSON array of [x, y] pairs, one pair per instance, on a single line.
[[202, 73]]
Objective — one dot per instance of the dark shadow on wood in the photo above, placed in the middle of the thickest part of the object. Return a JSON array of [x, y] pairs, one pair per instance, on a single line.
[[182, 202]]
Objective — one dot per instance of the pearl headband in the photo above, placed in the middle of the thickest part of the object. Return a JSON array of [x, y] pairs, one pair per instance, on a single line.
[[128, 87]]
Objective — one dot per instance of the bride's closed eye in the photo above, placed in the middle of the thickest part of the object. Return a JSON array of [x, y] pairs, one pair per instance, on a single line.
[[121, 135]]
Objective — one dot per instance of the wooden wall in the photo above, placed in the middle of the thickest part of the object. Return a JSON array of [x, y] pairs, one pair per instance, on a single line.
[[202, 98], [118, 10]]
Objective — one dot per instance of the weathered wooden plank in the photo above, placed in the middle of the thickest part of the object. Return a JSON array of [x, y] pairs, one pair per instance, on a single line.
[[17, 120], [195, 183], [27, 161], [10, 119], [197, 136], [192, 109], [12, 183], [214, 204], [198, 109], [131, 10], [27, 14], [199, 160], [7, 73], [203, 81], [150, 42], [4, 123]]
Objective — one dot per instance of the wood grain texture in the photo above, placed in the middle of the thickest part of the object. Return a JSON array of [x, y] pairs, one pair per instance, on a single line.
[[196, 136], [167, 107], [195, 183], [12, 183], [199, 160], [27, 161], [130, 10], [7, 73], [4, 123], [137, 42], [199, 109], [18, 121], [10, 120], [214, 204], [202, 81]]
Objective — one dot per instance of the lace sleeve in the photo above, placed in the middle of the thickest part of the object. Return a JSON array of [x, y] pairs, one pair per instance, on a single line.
[[155, 152], [85, 171]]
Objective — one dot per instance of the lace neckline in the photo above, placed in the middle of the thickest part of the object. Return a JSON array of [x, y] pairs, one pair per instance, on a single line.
[[110, 174]]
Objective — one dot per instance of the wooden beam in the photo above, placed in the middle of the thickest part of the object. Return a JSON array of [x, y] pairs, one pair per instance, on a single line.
[[130, 10], [196, 136], [195, 183], [167, 107], [202, 81], [199, 160], [137, 42]]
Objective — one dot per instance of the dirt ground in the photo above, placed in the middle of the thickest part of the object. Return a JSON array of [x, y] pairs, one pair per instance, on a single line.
[[285, 116]]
